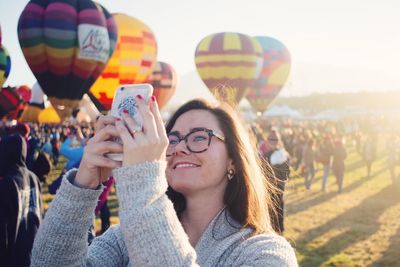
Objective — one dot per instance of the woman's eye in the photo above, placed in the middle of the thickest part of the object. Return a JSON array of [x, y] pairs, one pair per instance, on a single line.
[[173, 141], [199, 138]]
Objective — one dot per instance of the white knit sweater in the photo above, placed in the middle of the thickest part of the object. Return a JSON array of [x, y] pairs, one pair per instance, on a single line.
[[149, 233]]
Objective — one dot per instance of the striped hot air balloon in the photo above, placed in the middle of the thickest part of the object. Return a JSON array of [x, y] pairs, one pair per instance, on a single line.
[[10, 103], [164, 81], [228, 63], [5, 65], [274, 73], [132, 62], [67, 44]]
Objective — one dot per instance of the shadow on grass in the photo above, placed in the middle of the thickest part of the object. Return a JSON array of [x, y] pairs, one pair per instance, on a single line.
[[300, 206], [370, 208], [391, 255]]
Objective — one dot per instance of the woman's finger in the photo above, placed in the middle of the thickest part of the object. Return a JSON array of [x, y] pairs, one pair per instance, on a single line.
[[104, 134], [103, 121], [123, 132], [130, 123], [149, 125], [104, 147], [157, 117], [104, 162]]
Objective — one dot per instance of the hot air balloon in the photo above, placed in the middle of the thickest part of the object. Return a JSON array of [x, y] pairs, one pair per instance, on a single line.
[[274, 73], [35, 106], [25, 92], [228, 63], [10, 103], [5, 65], [164, 81], [67, 44], [132, 62]]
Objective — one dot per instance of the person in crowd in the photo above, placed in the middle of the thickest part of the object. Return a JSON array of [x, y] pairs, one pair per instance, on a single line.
[[308, 158], [214, 214], [325, 152], [338, 164], [393, 154], [278, 158], [20, 203], [369, 152]]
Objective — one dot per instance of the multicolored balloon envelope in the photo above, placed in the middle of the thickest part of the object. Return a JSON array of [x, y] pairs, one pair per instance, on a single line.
[[132, 62], [67, 44], [10, 103], [5, 65], [274, 73], [228, 63], [164, 80], [35, 106]]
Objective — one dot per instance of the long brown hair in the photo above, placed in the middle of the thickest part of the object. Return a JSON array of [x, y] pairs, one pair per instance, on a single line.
[[247, 196]]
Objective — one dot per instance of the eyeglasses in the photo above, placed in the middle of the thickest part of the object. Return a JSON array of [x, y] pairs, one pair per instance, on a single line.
[[197, 140]]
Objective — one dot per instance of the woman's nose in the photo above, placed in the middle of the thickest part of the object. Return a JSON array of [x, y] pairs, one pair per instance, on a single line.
[[181, 148]]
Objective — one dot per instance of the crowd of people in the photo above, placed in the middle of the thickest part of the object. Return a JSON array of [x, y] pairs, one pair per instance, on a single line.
[[219, 192]]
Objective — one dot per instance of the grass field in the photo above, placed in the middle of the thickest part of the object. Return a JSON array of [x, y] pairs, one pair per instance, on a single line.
[[358, 227]]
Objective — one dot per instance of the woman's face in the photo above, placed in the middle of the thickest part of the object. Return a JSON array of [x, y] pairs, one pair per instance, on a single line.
[[192, 173]]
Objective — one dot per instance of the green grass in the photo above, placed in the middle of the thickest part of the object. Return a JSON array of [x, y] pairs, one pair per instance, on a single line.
[[358, 227]]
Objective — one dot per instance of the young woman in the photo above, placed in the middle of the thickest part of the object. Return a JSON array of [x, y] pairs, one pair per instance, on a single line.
[[218, 215]]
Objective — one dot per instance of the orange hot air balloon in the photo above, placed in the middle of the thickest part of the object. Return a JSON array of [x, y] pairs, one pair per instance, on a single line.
[[132, 61], [164, 81], [228, 63], [274, 73]]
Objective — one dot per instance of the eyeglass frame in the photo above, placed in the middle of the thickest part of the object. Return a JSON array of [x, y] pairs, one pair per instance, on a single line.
[[210, 133]]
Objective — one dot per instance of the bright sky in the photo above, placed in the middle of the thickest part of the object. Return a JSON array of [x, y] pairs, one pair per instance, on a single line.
[[336, 46]]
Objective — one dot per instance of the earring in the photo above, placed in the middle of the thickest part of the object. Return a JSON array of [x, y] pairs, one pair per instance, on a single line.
[[231, 173]]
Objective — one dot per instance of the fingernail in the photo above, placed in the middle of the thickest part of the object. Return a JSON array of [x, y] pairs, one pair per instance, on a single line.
[[139, 96], [153, 98], [125, 111]]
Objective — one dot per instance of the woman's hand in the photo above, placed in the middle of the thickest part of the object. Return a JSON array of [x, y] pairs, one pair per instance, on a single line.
[[147, 145], [95, 167]]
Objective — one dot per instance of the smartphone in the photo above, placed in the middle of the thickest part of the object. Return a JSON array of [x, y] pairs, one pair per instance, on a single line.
[[125, 99]]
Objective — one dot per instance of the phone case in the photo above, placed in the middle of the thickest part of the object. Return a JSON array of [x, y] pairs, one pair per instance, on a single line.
[[125, 98]]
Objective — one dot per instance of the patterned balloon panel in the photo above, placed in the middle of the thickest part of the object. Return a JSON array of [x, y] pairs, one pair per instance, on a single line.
[[5, 65], [35, 106], [164, 81], [274, 73], [67, 44], [132, 62], [10, 103], [228, 63]]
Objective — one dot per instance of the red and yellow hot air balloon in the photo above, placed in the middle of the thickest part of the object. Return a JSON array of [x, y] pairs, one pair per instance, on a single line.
[[67, 44], [164, 81], [274, 73], [132, 62], [228, 63], [35, 106], [5, 65], [11, 103], [25, 92]]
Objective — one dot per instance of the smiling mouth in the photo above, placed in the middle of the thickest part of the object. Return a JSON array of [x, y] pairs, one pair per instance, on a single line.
[[185, 165]]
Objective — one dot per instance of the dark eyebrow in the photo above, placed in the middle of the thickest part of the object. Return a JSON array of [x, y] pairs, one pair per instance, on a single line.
[[190, 131]]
